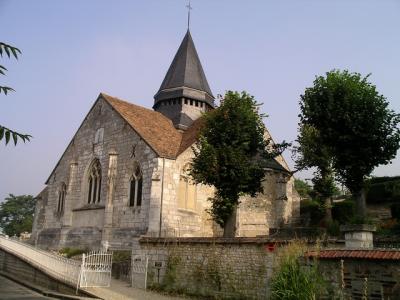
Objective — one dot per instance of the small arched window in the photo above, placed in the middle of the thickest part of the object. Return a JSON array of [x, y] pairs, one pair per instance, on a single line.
[[135, 187], [61, 197], [94, 182], [187, 193]]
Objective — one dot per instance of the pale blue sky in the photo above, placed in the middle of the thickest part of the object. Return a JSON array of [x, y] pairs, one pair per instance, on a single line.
[[73, 50]]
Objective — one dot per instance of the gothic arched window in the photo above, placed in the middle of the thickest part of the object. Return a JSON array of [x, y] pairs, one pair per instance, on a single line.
[[135, 187], [94, 182], [61, 197], [187, 191]]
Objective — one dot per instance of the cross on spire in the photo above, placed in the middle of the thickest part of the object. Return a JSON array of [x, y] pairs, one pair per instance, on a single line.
[[189, 7]]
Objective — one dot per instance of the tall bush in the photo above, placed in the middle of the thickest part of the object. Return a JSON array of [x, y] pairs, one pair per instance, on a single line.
[[291, 280], [383, 189], [343, 211]]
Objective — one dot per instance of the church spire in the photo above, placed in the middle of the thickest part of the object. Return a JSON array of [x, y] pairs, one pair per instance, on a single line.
[[185, 76], [184, 93]]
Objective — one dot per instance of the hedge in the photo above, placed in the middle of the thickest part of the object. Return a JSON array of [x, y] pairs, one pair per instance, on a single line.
[[395, 210], [383, 189], [313, 209], [343, 211]]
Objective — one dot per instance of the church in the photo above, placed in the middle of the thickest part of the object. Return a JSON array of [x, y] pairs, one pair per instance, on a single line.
[[124, 173]]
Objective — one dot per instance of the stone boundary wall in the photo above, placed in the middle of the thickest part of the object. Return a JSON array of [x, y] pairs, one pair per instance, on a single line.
[[237, 268], [14, 267], [356, 278]]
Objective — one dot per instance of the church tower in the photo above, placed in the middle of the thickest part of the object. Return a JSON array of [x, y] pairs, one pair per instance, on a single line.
[[184, 93]]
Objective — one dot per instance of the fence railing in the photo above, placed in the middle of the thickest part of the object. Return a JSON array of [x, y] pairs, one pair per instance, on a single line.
[[64, 269]]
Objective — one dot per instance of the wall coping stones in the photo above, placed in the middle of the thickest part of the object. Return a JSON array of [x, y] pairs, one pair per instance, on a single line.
[[215, 240], [357, 227]]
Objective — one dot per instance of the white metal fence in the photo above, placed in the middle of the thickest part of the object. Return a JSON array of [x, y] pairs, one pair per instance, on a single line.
[[96, 269], [62, 268]]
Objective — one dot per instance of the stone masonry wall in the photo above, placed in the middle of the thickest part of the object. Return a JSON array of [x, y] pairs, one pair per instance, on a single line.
[[116, 221], [13, 267], [383, 278], [237, 268], [178, 221], [276, 207]]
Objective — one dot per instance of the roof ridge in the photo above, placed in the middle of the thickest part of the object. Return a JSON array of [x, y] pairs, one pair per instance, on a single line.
[[154, 128], [105, 96]]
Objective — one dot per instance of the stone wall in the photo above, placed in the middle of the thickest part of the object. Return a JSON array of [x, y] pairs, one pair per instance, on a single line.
[[379, 212], [13, 267], [379, 278], [118, 152], [276, 207], [178, 221], [39, 221], [237, 268]]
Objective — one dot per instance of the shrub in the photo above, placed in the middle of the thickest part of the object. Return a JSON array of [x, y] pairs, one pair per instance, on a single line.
[[343, 212], [119, 256], [383, 189], [293, 281], [395, 210], [71, 252], [333, 228], [314, 209]]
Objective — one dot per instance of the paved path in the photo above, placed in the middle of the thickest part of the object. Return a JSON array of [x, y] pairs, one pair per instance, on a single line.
[[121, 290], [10, 290]]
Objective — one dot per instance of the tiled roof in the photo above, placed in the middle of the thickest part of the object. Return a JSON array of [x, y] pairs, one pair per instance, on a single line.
[[373, 254], [190, 135], [156, 129]]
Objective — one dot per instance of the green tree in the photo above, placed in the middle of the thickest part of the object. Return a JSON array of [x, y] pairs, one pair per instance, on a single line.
[[310, 152], [16, 214], [354, 126], [5, 132], [303, 188], [230, 154]]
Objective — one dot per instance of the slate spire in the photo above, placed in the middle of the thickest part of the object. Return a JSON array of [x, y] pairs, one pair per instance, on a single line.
[[185, 77]]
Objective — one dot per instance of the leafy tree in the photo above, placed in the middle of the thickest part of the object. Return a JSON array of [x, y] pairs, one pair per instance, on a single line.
[[5, 132], [16, 214], [312, 153], [303, 188], [354, 126], [229, 155]]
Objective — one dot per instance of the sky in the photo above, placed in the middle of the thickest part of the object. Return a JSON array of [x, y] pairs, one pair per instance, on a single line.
[[73, 50]]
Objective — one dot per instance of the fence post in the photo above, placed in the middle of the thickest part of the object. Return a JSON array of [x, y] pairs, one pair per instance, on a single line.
[[80, 274], [132, 268], [145, 273]]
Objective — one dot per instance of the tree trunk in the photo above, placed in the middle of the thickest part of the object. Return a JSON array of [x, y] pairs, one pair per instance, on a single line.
[[328, 210], [230, 225], [360, 204]]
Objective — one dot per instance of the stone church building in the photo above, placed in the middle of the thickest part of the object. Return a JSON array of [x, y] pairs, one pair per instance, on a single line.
[[124, 173]]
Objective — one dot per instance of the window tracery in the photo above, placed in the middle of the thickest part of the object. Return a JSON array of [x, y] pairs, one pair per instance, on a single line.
[[94, 183], [135, 187]]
